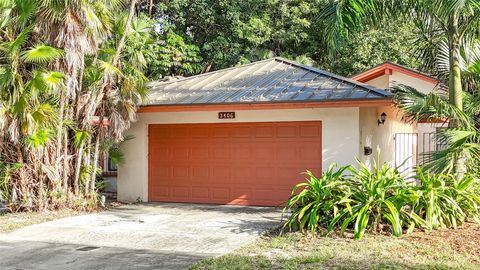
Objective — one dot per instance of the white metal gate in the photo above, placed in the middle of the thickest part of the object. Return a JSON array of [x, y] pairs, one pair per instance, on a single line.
[[406, 153]]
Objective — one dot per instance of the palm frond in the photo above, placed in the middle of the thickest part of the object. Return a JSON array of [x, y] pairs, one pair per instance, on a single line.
[[433, 106], [42, 54]]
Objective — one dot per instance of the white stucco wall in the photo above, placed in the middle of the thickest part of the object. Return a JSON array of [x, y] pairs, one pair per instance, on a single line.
[[420, 85], [383, 136], [340, 139], [382, 82]]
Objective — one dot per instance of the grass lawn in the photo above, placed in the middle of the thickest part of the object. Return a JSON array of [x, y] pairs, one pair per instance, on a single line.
[[443, 249]]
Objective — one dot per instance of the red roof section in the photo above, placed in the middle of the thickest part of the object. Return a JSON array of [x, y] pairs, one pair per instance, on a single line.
[[388, 68]]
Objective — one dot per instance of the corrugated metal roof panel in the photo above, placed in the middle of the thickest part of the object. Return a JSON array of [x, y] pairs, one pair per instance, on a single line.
[[272, 80]]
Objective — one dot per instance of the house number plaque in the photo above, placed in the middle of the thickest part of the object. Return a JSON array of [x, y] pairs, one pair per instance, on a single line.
[[226, 115]]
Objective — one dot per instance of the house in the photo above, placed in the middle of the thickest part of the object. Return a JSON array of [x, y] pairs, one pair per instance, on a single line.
[[409, 143], [243, 135]]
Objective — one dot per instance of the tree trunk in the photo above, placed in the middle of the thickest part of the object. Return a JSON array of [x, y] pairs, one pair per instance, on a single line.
[[121, 43], [455, 85], [88, 160], [60, 126], [65, 173], [22, 178], [95, 164], [78, 167], [150, 8]]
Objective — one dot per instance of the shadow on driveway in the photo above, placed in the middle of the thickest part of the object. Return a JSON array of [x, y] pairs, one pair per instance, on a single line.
[[140, 236], [47, 256]]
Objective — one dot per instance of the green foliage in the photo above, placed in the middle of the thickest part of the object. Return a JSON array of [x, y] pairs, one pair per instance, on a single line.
[[6, 171], [393, 41], [463, 140], [443, 201], [39, 138], [375, 199], [228, 33], [42, 54], [173, 56], [317, 201]]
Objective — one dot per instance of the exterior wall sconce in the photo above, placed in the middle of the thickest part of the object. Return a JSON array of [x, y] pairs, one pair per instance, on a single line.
[[382, 119]]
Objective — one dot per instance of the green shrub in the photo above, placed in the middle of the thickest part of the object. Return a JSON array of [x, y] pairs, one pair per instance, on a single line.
[[318, 200], [376, 199], [373, 201], [442, 201]]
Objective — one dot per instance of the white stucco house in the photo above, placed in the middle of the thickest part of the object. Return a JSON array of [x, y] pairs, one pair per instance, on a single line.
[[243, 135]]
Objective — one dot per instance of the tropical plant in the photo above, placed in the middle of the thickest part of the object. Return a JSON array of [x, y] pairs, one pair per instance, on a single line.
[[228, 33], [377, 198], [463, 140], [373, 201], [173, 56], [365, 198], [453, 21], [442, 201], [70, 79], [316, 201]]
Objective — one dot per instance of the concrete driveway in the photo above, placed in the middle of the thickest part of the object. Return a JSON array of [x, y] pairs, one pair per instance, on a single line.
[[147, 236]]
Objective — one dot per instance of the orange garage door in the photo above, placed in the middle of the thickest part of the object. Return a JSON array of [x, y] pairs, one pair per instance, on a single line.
[[231, 163]]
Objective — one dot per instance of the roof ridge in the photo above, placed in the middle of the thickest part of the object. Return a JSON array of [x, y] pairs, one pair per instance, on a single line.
[[248, 79], [284, 60]]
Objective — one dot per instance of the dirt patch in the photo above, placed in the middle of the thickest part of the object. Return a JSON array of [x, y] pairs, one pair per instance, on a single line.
[[465, 239], [14, 221]]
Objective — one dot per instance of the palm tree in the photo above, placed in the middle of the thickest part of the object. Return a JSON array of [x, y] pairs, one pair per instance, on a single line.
[[455, 20], [462, 140], [50, 94], [27, 104]]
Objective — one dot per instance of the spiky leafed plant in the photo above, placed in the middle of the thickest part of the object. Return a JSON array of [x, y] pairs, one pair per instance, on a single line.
[[27, 107], [455, 21], [440, 200], [463, 140], [92, 78], [317, 200]]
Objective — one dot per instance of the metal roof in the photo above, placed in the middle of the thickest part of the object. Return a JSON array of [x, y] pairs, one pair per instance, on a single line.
[[271, 80]]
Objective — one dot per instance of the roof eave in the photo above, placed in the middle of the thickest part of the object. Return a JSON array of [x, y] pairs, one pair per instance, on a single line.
[[340, 103], [386, 68]]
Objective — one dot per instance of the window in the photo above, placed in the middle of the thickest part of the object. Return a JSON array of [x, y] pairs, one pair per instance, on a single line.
[[109, 168]]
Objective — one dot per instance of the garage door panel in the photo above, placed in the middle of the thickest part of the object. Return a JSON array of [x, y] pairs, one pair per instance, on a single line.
[[241, 151], [221, 193], [242, 132], [200, 132], [286, 152], [200, 152], [221, 132], [234, 163], [262, 152], [181, 192], [159, 192], [286, 131], [200, 192], [264, 132], [242, 173], [201, 172], [220, 152]]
